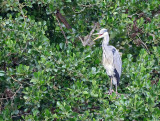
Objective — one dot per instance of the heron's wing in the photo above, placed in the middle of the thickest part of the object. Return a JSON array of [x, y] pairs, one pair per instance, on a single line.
[[117, 62]]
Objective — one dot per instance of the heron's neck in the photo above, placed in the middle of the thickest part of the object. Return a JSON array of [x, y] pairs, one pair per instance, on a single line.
[[106, 40]]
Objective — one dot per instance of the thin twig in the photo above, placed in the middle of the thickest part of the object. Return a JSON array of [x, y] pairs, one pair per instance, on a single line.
[[21, 115], [84, 7], [154, 39], [89, 36], [81, 40], [21, 10], [90, 5], [18, 88], [62, 30], [25, 47], [12, 97], [79, 11], [143, 44]]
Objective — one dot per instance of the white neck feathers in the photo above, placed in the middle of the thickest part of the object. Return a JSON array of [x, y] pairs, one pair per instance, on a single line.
[[106, 38]]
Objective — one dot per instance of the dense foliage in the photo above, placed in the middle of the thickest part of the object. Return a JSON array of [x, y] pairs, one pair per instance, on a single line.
[[47, 74]]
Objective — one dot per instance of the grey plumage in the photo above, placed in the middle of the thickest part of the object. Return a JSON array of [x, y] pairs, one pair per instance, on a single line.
[[111, 59]]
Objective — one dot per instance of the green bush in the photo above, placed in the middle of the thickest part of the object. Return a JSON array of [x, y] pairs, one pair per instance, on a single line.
[[44, 78]]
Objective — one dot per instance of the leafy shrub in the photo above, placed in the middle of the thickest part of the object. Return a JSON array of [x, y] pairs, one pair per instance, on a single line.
[[44, 78]]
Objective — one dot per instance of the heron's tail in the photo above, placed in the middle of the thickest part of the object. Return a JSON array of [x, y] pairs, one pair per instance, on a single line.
[[116, 77]]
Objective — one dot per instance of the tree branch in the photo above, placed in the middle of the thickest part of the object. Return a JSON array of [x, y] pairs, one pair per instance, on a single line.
[[87, 39], [62, 30]]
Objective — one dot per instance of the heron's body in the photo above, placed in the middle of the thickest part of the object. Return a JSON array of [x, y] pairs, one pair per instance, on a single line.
[[111, 59]]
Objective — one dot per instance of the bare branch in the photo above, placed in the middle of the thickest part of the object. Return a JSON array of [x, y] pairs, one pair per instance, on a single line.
[[81, 40], [63, 19], [89, 36], [87, 39], [62, 30]]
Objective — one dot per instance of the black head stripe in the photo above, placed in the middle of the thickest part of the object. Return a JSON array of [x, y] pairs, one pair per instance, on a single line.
[[102, 31], [105, 30]]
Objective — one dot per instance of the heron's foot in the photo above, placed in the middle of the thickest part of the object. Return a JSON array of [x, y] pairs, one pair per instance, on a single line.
[[110, 91], [117, 93]]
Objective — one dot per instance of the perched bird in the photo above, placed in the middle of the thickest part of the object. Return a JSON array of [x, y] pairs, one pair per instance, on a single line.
[[111, 59]]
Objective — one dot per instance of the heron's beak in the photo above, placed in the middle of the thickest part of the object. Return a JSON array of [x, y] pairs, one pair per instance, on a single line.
[[97, 37]]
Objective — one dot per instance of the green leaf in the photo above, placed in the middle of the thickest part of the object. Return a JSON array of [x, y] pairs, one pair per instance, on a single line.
[[85, 92], [68, 1], [2, 73]]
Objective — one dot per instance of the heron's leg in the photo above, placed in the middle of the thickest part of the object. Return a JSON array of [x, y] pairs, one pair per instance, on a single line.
[[111, 84], [116, 89], [110, 90]]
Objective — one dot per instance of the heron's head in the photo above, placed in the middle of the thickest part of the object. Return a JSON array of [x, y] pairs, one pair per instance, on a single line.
[[102, 33]]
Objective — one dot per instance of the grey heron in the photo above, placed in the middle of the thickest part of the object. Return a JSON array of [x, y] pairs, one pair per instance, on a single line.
[[111, 59]]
